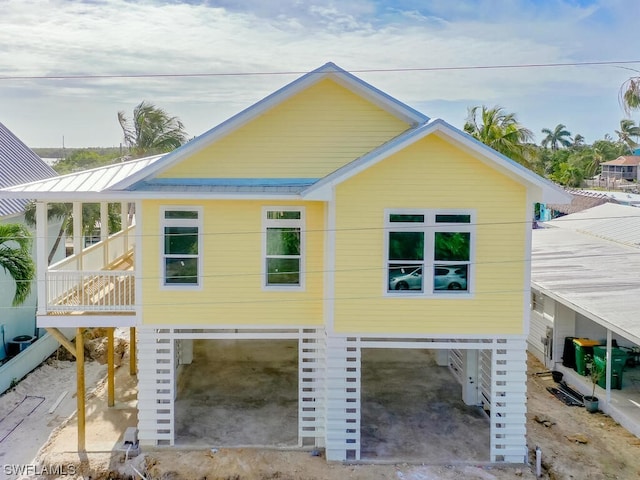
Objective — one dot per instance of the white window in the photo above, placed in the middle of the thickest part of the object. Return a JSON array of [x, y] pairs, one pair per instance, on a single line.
[[181, 246], [283, 247], [429, 252]]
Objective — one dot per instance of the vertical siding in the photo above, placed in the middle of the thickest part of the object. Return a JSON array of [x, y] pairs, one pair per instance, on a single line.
[[309, 135], [232, 290], [431, 174]]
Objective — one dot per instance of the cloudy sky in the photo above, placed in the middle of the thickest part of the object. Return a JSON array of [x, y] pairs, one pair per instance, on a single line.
[[249, 48]]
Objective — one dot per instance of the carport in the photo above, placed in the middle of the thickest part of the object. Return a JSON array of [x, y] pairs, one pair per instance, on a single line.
[[412, 410], [245, 393]]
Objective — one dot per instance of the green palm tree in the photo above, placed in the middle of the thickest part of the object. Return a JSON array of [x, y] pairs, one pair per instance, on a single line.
[[151, 131], [557, 138], [628, 129], [15, 259], [502, 132], [629, 95]]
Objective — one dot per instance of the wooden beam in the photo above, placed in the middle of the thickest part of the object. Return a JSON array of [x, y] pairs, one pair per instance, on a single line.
[[80, 391], [132, 351], [62, 340], [110, 368]]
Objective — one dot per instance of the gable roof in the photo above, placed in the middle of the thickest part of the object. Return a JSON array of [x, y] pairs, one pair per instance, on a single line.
[[542, 189], [139, 179], [18, 164], [329, 70]]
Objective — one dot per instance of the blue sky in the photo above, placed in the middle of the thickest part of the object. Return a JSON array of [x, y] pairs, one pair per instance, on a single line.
[[111, 37]]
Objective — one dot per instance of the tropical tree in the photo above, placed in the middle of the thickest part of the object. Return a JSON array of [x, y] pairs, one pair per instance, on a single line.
[[628, 129], [629, 95], [557, 138], [151, 131], [15, 259], [502, 132]]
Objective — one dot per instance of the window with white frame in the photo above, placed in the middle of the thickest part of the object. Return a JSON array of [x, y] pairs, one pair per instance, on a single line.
[[284, 246], [429, 252], [181, 250]]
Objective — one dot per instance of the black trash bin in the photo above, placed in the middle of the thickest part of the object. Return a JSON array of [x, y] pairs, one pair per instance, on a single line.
[[18, 344], [569, 353]]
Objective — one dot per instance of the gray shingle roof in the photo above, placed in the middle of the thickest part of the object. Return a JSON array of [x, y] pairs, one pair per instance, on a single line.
[[18, 164]]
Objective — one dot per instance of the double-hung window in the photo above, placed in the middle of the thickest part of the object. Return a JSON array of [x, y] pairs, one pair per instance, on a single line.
[[181, 246], [283, 247], [429, 252]]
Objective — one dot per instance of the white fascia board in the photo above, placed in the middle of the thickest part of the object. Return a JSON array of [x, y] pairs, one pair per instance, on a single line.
[[109, 196], [328, 70], [540, 189]]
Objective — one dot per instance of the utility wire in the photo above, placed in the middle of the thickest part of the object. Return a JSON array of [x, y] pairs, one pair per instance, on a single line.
[[296, 72]]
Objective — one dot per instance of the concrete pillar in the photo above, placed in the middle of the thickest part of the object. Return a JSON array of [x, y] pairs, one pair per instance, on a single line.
[[442, 358], [185, 350], [470, 377]]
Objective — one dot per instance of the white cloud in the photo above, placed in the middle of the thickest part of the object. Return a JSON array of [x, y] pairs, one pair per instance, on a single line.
[[111, 37]]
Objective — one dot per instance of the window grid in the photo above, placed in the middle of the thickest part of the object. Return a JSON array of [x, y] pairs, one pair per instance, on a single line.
[[438, 242]]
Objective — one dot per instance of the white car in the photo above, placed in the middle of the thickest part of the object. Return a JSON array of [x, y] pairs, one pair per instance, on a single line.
[[445, 278], [450, 278]]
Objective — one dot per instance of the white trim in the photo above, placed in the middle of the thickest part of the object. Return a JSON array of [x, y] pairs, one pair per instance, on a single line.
[[330, 265], [88, 321], [198, 223], [299, 223], [528, 238], [42, 227]]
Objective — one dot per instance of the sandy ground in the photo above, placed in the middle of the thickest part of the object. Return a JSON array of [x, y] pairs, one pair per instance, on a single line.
[[574, 443]]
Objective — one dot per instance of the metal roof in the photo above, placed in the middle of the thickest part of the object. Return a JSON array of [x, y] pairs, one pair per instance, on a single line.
[[89, 181], [576, 262], [18, 164], [618, 223]]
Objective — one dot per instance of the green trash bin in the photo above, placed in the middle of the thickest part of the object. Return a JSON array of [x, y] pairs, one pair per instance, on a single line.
[[584, 347], [618, 361]]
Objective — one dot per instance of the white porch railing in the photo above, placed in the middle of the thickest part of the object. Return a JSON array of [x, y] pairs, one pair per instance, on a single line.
[[100, 290], [90, 281]]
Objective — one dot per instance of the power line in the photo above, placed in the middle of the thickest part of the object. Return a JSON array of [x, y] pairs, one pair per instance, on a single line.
[[299, 72]]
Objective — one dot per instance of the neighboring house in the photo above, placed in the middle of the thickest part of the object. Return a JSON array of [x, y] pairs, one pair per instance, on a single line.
[[622, 168], [18, 164], [585, 284], [320, 214]]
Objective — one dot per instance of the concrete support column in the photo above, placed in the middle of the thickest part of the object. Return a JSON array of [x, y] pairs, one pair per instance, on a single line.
[[442, 358], [185, 352], [470, 377]]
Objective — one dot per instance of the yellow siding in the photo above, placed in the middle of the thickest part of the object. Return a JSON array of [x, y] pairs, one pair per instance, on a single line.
[[307, 136], [232, 257], [431, 174]]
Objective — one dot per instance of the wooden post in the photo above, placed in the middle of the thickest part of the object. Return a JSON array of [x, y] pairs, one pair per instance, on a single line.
[[132, 351], [110, 368], [80, 390]]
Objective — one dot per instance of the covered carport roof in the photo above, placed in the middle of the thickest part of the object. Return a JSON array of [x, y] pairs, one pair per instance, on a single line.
[[592, 269]]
